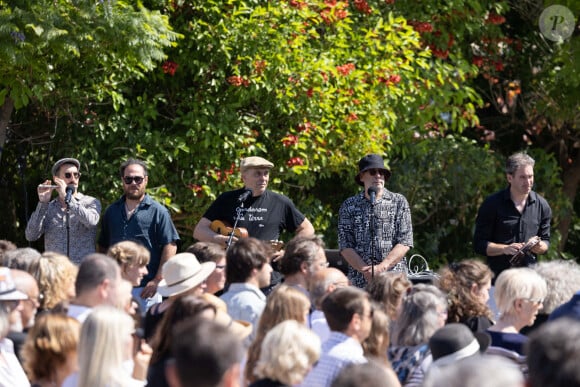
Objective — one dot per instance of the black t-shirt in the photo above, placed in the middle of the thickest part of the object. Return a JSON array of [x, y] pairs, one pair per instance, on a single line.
[[264, 216]]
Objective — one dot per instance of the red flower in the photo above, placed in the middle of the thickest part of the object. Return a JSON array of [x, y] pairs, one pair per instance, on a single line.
[[305, 127], [498, 65], [169, 67], [289, 140], [494, 18], [362, 6], [351, 117], [478, 61], [346, 68], [295, 161], [297, 4], [235, 80], [310, 92], [259, 66], [421, 27], [396, 78]]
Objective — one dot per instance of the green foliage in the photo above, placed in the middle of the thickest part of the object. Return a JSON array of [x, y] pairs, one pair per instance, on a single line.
[[311, 85], [56, 51]]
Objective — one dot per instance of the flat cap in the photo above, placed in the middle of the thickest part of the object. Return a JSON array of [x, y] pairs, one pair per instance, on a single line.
[[67, 160], [254, 162]]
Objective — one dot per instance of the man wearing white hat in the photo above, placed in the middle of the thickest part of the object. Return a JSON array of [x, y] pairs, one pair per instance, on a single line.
[[77, 238], [265, 214], [182, 274], [11, 372]]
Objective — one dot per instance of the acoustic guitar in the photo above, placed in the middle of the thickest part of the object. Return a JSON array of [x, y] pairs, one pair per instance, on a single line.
[[240, 232], [223, 229]]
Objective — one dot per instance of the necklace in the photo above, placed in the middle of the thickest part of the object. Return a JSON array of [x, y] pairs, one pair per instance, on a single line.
[[128, 211]]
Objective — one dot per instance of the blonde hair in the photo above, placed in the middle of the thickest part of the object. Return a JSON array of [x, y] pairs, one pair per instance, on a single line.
[[284, 303], [55, 275], [128, 253], [49, 342], [517, 283], [377, 343], [103, 340], [389, 288], [288, 352]]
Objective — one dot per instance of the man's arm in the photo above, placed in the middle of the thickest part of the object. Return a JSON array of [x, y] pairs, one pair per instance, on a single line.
[[204, 233], [353, 259], [305, 229], [35, 225], [395, 255], [169, 250]]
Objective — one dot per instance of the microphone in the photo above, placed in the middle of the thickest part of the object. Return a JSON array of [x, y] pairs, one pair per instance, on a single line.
[[373, 191], [244, 196], [69, 191]]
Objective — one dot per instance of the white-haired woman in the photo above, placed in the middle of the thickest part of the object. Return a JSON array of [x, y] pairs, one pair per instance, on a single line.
[[519, 296], [424, 310], [288, 352], [106, 352]]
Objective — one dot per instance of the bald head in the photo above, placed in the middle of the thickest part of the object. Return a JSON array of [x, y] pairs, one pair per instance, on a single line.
[[26, 283], [325, 281]]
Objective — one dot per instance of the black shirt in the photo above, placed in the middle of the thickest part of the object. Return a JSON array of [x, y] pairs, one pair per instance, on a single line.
[[264, 216], [499, 221]]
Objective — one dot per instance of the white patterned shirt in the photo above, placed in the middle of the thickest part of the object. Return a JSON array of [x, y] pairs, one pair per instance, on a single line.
[[50, 219], [338, 351], [392, 222]]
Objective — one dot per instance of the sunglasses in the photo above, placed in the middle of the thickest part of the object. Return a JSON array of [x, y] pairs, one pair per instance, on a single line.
[[68, 175], [373, 172], [131, 179]]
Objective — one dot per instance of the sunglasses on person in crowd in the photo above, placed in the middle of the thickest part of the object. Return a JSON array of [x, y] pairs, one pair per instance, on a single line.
[[131, 179]]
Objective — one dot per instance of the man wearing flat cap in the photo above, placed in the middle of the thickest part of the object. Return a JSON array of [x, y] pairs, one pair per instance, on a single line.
[[374, 226], [50, 216], [264, 213]]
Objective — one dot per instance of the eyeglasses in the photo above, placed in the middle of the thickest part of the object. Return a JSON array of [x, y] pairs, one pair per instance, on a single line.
[[374, 172], [35, 301], [536, 301], [68, 175], [131, 179]]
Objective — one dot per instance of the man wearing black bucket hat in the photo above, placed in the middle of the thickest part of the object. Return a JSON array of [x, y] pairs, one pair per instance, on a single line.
[[374, 226]]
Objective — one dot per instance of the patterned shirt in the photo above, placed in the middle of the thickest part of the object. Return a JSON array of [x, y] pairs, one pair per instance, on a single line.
[[50, 219], [392, 222], [337, 352]]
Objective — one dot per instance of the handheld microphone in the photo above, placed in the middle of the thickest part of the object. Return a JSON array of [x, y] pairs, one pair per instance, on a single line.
[[373, 191], [69, 191], [244, 196]]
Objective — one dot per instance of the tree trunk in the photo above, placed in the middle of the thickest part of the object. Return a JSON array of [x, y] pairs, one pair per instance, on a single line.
[[571, 180], [5, 114]]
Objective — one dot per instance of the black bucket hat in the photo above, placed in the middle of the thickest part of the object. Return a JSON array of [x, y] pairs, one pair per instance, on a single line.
[[372, 161]]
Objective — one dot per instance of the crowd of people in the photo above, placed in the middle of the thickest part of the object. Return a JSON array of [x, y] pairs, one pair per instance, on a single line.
[[125, 307]]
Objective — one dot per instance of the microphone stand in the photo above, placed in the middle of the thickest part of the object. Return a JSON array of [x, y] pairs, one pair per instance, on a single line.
[[67, 217], [373, 232], [239, 211]]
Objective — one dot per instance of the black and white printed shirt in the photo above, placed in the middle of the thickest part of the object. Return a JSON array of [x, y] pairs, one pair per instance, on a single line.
[[392, 222]]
